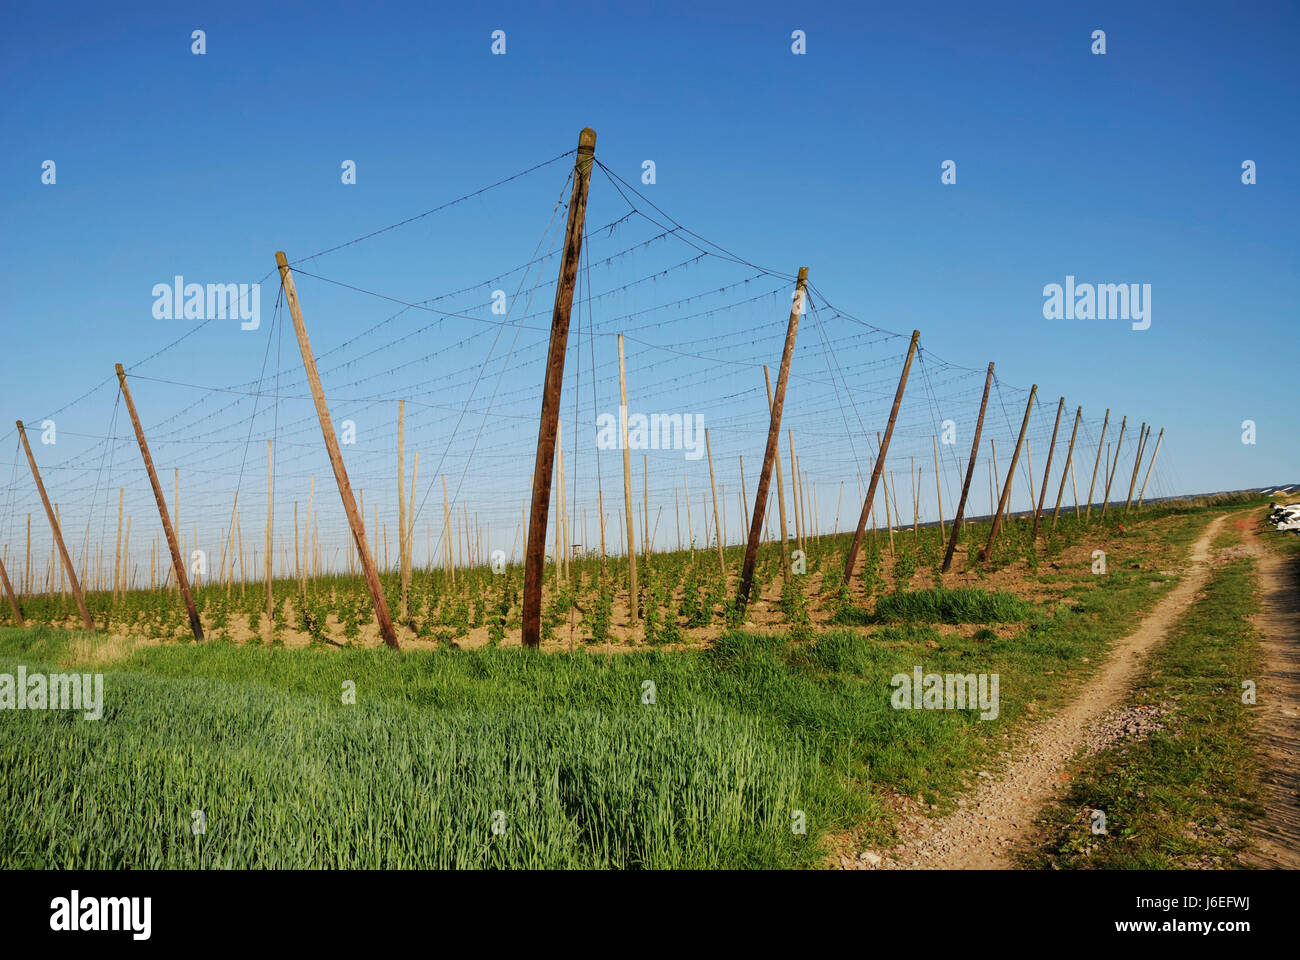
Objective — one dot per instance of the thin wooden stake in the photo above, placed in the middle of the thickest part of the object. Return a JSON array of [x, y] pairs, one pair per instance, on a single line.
[[1151, 463]]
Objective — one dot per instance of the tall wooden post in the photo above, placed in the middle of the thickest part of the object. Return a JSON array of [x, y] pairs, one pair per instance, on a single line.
[[970, 473], [1151, 463], [1069, 466], [880, 460], [1011, 476], [355, 520], [58, 534], [545, 462], [178, 564], [1047, 470], [628, 514], [1101, 443], [771, 453], [1114, 467]]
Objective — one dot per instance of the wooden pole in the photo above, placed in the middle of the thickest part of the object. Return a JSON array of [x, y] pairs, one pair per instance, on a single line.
[[1047, 470], [880, 460], [117, 550], [1069, 465], [1151, 463], [1114, 467], [780, 480], [938, 488], [9, 594], [270, 548], [1011, 476], [794, 491], [401, 506], [58, 534], [545, 462], [355, 520], [722, 564], [970, 472], [1101, 442], [1137, 463], [628, 513], [690, 529]]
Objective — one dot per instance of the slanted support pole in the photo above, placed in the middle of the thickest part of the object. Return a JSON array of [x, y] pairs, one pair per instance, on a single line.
[[355, 520], [535, 552], [1137, 464], [970, 473], [58, 534], [1004, 504], [1101, 444], [880, 462], [11, 597], [1047, 470], [1151, 463], [1114, 467], [178, 564], [1067, 471], [770, 452]]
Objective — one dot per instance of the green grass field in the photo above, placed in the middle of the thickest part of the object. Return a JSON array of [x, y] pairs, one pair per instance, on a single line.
[[500, 757]]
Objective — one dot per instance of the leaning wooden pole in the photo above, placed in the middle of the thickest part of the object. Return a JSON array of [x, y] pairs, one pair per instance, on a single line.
[[58, 534], [1101, 443], [771, 453], [1047, 470], [780, 482], [355, 520], [1151, 463], [970, 473], [1069, 464], [1137, 465], [535, 552], [1113, 468], [1004, 504], [10, 596], [880, 460]]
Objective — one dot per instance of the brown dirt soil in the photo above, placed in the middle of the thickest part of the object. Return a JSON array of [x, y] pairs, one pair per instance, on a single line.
[[1000, 811]]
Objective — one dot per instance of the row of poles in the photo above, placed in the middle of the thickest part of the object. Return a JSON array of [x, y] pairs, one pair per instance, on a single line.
[[548, 432]]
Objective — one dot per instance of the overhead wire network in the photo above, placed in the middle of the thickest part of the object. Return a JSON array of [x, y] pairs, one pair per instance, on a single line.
[[466, 357]]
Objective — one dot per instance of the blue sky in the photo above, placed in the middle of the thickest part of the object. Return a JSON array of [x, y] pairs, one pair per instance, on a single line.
[[1122, 168]]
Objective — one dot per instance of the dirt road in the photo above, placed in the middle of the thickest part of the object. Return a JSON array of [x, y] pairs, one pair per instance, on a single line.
[[1001, 811]]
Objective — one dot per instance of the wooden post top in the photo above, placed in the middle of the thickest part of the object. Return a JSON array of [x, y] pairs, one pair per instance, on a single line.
[[803, 274], [587, 141]]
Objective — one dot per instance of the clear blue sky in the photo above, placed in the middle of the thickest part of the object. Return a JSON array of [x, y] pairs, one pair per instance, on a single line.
[[1117, 168]]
